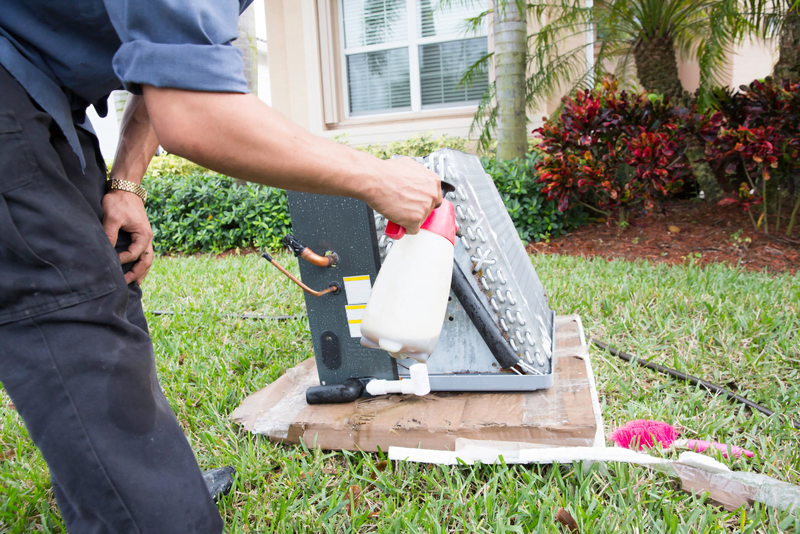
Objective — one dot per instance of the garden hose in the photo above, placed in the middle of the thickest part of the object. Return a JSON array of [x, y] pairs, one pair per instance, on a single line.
[[278, 318], [692, 380]]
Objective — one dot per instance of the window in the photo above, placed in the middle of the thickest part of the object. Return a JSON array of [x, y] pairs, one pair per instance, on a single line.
[[408, 55]]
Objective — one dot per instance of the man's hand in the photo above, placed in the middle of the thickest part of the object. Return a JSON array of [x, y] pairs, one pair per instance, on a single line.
[[125, 211], [407, 193]]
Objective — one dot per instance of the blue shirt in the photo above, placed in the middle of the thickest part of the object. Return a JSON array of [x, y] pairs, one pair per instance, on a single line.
[[68, 54]]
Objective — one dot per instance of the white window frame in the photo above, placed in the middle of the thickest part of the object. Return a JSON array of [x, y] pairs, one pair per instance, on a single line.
[[413, 43]]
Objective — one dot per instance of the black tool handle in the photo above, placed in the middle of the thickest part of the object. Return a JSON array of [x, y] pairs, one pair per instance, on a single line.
[[350, 390]]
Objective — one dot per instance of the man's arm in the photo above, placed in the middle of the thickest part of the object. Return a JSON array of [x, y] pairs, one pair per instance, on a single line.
[[238, 135], [123, 210]]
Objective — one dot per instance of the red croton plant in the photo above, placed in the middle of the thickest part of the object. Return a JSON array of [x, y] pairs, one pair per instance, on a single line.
[[615, 152], [759, 146]]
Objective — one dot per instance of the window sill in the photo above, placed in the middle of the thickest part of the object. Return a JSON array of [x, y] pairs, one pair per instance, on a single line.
[[404, 116]]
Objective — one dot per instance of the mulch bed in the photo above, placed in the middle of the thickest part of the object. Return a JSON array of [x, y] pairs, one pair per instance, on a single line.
[[683, 231]]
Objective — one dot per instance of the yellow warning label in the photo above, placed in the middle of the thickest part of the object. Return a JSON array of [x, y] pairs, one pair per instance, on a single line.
[[357, 289], [356, 278]]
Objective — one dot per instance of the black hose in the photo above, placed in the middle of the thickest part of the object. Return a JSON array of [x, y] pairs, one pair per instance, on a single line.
[[482, 319], [692, 380], [278, 318]]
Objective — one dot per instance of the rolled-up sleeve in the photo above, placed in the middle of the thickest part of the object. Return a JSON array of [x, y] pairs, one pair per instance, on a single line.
[[178, 43]]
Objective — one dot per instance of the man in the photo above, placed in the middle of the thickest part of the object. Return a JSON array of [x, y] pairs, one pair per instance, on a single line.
[[76, 357]]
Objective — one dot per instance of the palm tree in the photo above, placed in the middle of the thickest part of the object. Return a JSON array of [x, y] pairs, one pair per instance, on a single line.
[[781, 19], [642, 35], [510, 51]]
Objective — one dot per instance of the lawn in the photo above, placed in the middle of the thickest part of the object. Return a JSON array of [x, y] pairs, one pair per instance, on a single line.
[[729, 326]]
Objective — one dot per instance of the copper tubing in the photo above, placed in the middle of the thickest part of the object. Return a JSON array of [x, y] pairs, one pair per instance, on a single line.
[[333, 288], [320, 261], [302, 251]]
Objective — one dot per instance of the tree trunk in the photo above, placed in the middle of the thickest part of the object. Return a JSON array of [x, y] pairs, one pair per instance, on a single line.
[[657, 67], [510, 47], [706, 180], [788, 65]]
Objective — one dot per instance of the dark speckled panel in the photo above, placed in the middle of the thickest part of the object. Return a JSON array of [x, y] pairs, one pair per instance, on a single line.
[[346, 226]]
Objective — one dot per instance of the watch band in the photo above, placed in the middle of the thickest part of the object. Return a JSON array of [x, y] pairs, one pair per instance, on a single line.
[[131, 187]]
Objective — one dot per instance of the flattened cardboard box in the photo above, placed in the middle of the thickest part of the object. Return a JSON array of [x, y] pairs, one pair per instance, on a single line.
[[563, 415]]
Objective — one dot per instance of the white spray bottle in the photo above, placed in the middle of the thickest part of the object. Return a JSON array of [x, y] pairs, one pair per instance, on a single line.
[[408, 302]]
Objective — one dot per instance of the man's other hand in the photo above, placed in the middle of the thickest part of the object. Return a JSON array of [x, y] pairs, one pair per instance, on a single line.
[[125, 211]]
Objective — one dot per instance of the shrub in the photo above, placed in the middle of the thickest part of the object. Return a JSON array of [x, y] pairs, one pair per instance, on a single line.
[[760, 143], [534, 215], [614, 152], [192, 209], [416, 146]]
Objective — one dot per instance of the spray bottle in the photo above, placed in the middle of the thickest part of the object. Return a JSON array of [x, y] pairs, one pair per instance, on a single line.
[[408, 302]]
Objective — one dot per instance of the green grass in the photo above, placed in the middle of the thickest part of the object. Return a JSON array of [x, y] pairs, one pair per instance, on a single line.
[[731, 327]]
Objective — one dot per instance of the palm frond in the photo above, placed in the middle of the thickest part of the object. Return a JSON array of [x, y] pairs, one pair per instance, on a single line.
[[485, 119], [478, 69]]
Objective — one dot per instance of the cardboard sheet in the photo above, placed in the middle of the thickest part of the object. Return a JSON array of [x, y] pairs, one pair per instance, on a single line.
[[565, 415]]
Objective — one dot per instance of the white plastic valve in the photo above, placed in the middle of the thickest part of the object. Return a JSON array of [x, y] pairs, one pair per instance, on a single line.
[[417, 384]]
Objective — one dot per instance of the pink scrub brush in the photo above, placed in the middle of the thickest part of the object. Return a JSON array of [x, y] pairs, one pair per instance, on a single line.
[[647, 433]]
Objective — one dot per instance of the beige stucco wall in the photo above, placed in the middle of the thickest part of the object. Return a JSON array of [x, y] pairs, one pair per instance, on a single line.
[[752, 60], [748, 61], [296, 81]]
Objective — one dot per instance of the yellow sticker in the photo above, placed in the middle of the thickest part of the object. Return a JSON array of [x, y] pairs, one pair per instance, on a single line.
[[357, 289], [354, 315], [356, 278]]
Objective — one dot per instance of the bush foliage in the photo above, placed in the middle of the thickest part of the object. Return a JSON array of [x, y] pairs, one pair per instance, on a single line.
[[535, 216], [613, 151], [192, 209], [759, 144]]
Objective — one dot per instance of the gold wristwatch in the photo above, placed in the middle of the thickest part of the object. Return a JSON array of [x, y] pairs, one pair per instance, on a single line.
[[124, 185]]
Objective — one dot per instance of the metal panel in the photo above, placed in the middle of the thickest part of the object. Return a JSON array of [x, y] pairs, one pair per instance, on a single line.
[[491, 382], [347, 226], [485, 223]]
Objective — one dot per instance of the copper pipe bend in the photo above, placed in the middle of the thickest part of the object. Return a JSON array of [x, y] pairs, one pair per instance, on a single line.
[[320, 261], [333, 288]]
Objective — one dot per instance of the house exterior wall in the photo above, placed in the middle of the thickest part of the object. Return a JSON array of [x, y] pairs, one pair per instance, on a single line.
[[306, 78], [306, 81]]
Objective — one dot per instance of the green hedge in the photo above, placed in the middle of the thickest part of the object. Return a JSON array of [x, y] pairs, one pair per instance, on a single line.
[[535, 217], [192, 209]]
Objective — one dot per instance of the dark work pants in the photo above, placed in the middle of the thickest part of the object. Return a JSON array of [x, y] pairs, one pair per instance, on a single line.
[[75, 354]]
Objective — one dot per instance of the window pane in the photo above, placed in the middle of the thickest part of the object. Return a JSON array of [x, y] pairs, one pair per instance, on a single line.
[[369, 22], [436, 20], [378, 81], [441, 67]]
